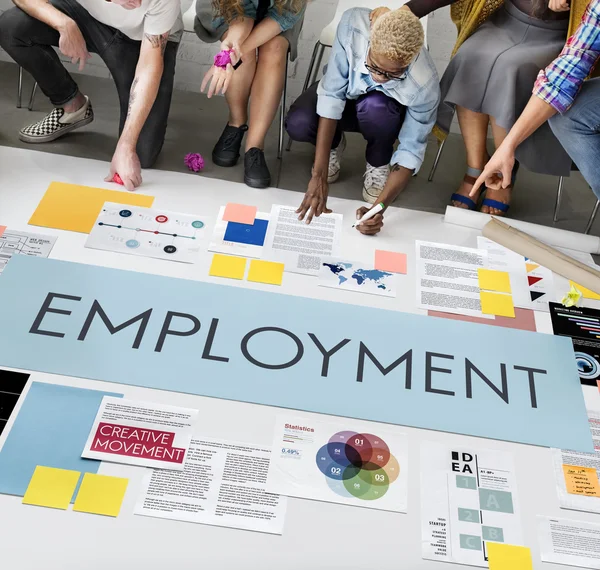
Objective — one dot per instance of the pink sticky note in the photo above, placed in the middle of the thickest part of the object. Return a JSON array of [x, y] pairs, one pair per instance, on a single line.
[[2, 229], [390, 261], [239, 213]]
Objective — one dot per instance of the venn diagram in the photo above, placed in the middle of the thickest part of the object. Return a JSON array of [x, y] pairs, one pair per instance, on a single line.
[[358, 465]]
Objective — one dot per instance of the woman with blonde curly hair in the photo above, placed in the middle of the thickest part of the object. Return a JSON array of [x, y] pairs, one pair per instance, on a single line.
[[258, 34]]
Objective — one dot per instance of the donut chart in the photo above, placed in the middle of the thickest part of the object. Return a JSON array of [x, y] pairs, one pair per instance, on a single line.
[[358, 465]]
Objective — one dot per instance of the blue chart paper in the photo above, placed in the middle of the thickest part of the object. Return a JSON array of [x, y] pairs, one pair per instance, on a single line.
[[51, 430], [251, 234], [292, 352]]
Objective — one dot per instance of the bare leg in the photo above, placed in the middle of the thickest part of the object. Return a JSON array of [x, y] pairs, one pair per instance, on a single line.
[[473, 127], [266, 90], [238, 92], [502, 195]]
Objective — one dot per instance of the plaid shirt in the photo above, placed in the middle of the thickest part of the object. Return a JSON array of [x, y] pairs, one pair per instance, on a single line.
[[559, 84]]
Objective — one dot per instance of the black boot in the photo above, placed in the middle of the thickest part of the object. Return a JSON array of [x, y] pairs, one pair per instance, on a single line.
[[227, 149], [256, 171]]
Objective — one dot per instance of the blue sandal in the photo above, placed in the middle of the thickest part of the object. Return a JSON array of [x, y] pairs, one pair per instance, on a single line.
[[470, 178], [495, 204]]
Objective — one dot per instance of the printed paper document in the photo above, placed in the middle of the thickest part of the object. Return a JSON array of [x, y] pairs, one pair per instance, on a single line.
[[468, 498], [561, 457], [301, 246], [141, 433], [448, 278], [223, 484], [565, 541], [25, 243]]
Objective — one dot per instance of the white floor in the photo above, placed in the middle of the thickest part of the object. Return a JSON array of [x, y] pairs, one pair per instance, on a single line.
[[317, 535]]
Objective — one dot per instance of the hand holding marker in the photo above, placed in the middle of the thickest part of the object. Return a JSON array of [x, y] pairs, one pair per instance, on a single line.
[[370, 214]]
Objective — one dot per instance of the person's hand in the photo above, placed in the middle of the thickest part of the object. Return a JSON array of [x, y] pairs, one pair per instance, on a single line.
[[497, 173], [315, 199], [372, 226], [559, 5], [72, 44], [126, 164], [377, 13], [220, 78]]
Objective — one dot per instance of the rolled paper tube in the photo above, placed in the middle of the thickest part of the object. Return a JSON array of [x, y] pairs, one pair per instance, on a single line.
[[541, 253], [223, 58], [552, 236]]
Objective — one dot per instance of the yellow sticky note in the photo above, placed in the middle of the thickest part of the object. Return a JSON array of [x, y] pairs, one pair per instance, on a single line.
[[50, 487], [491, 280], [101, 495], [497, 304], [75, 208], [581, 481], [587, 293], [508, 557], [265, 272], [227, 266]]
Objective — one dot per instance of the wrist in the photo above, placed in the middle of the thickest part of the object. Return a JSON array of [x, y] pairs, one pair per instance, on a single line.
[[65, 24], [125, 144], [319, 173]]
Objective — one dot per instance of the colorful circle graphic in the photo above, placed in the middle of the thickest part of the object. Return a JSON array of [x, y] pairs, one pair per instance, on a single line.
[[358, 465], [197, 224], [125, 213], [161, 219]]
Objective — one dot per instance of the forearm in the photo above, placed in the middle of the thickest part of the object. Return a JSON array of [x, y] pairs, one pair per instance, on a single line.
[[239, 30], [45, 12], [264, 31], [535, 114], [397, 181], [141, 98], [325, 134]]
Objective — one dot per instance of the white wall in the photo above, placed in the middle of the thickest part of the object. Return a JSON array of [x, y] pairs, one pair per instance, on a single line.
[[194, 57]]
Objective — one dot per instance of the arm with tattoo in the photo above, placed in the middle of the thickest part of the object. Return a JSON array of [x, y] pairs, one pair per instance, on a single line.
[[144, 87]]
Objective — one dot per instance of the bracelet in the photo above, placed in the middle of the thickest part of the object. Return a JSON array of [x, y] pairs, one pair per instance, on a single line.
[[238, 64]]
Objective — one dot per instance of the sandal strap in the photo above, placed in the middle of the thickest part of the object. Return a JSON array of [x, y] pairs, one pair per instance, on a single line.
[[464, 200], [495, 204]]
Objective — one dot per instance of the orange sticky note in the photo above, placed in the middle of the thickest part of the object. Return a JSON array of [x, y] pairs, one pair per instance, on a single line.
[[239, 213], [581, 481], [2, 230], [391, 261], [75, 208]]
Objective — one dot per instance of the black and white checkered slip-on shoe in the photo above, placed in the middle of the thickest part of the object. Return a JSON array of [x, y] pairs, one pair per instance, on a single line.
[[57, 123]]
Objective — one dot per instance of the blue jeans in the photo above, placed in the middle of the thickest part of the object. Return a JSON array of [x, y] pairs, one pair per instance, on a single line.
[[578, 130], [29, 42]]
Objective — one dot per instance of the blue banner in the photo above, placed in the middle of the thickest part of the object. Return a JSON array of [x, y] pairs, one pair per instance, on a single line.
[[293, 352]]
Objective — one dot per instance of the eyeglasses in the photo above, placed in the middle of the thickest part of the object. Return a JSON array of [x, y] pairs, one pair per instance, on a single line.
[[389, 76]]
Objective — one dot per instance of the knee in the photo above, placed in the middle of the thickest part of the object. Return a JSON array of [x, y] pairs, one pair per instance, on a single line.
[[298, 124], [378, 109], [13, 24], [148, 156], [275, 50]]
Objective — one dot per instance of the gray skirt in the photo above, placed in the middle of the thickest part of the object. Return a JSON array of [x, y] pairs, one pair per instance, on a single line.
[[493, 73], [204, 26]]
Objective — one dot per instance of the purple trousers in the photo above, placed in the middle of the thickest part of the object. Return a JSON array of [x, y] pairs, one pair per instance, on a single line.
[[375, 116]]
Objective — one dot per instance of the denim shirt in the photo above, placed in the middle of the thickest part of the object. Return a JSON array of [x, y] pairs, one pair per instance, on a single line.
[[346, 77]]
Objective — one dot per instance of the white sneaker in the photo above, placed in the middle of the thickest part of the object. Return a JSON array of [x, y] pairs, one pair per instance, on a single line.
[[375, 179], [57, 123], [335, 158]]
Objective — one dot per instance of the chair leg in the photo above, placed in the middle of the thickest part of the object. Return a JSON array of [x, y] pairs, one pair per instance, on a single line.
[[33, 92], [309, 74], [437, 159], [282, 112], [559, 193], [19, 87], [592, 218]]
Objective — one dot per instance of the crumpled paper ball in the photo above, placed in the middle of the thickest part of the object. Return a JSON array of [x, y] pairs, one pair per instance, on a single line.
[[194, 161], [223, 58], [572, 298]]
